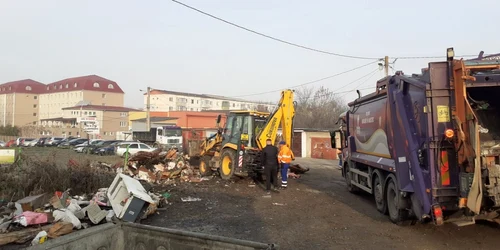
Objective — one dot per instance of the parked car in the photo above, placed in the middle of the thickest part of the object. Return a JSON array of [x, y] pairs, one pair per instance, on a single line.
[[53, 141], [41, 141], [133, 148], [19, 141], [11, 143], [71, 143], [80, 148], [107, 150], [29, 142], [3, 144], [94, 148]]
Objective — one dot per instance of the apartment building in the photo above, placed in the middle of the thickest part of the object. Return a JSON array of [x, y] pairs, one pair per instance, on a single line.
[[69, 92], [163, 100], [19, 102]]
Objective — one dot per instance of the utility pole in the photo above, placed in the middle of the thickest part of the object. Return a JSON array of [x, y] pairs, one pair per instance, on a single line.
[[148, 116], [386, 65]]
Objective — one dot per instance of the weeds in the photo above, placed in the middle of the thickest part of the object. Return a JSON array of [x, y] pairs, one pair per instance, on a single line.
[[34, 175]]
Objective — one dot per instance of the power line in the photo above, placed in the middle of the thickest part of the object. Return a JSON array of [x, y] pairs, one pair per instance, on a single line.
[[274, 38], [360, 84], [371, 74], [311, 82], [305, 47]]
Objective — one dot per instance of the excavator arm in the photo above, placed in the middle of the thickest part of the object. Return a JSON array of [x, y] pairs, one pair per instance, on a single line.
[[284, 115]]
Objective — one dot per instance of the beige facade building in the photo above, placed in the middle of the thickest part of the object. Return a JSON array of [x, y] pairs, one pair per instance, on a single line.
[[19, 102], [57, 108], [69, 92], [105, 122]]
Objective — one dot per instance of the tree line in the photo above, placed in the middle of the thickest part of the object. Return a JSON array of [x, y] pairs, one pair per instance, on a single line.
[[9, 130], [318, 108]]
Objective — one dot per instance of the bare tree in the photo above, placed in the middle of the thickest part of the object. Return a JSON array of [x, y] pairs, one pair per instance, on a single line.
[[317, 108]]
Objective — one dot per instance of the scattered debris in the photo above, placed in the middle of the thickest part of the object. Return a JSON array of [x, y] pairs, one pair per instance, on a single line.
[[278, 204], [189, 199]]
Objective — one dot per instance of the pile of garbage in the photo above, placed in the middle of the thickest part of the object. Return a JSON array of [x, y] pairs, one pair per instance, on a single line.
[[161, 167], [50, 215]]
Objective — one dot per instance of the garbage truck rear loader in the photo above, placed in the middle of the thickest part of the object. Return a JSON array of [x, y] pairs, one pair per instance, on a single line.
[[406, 143]]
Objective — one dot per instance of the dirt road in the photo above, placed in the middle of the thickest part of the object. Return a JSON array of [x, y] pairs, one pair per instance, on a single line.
[[316, 212]]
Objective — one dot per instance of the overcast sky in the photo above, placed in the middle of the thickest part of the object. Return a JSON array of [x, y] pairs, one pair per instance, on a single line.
[[164, 45]]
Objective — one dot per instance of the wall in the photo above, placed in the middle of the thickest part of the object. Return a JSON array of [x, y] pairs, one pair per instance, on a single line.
[[26, 109], [111, 123]]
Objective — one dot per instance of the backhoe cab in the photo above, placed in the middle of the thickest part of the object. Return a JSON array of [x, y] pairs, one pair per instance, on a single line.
[[235, 149]]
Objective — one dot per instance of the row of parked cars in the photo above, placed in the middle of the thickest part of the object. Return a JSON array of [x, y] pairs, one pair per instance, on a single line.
[[81, 145]]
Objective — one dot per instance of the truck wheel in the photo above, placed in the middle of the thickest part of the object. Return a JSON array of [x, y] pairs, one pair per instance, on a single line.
[[348, 177], [378, 192], [205, 169], [398, 216], [228, 164]]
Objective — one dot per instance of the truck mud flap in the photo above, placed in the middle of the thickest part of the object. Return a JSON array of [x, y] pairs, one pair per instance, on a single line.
[[135, 236]]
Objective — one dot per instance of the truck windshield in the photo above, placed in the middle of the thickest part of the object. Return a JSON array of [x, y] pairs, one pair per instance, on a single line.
[[173, 132]]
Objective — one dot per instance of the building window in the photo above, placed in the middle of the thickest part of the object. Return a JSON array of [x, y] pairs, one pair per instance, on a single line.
[[170, 108], [76, 85], [48, 87], [191, 109], [171, 99], [110, 86], [85, 113], [60, 86], [35, 97], [96, 85], [103, 95], [10, 88], [192, 101], [34, 106], [69, 133], [34, 114], [123, 114], [54, 87], [67, 85], [233, 105], [28, 88], [123, 124]]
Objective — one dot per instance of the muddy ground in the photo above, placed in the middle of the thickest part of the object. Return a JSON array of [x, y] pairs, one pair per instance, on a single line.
[[316, 212]]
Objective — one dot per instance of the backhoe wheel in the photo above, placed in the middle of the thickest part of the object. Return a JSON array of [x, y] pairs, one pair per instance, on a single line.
[[378, 192], [348, 177], [205, 169], [228, 163], [397, 215]]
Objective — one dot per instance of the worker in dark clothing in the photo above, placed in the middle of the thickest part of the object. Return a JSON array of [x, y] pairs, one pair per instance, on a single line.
[[269, 160]]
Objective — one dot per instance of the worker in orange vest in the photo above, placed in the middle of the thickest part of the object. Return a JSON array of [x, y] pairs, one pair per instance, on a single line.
[[285, 157]]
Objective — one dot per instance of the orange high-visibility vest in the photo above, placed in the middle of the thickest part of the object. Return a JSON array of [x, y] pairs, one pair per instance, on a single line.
[[285, 155]]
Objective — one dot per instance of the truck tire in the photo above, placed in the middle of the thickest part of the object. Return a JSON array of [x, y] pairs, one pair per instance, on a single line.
[[348, 177], [227, 163], [397, 215], [378, 192], [205, 169]]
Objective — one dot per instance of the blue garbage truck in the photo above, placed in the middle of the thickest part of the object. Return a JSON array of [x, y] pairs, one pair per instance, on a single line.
[[425, 145]]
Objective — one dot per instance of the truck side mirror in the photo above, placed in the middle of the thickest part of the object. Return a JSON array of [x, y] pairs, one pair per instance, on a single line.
[[336, 139], [218, 119]]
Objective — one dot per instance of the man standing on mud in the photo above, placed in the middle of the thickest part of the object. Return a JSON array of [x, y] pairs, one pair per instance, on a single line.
[[269, 160], [285, 157]]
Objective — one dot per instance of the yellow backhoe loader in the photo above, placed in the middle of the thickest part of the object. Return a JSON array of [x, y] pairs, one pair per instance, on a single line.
[[235, 149]]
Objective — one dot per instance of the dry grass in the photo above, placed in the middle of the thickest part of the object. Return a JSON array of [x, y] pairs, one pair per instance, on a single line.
[[35, 175]]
